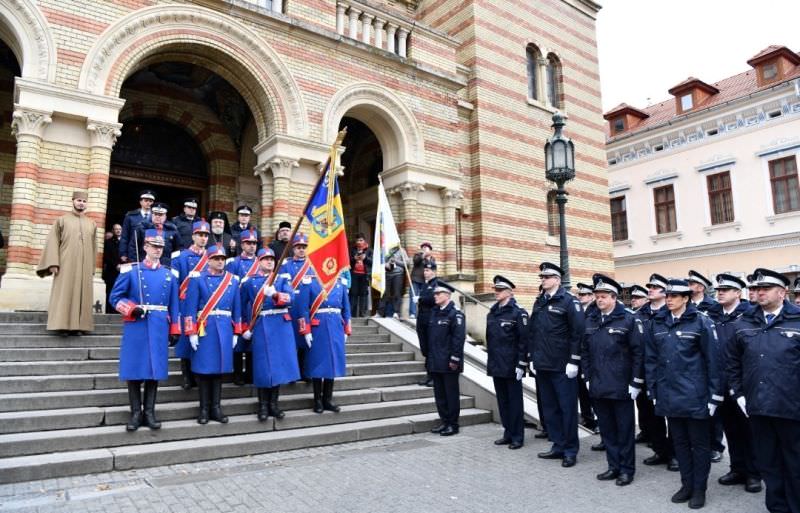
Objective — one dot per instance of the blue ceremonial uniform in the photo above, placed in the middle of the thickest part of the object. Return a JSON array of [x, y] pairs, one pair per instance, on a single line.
[[326, 357], [184, 263], [171, 241], [144, 350], [292, 267], [241, 265], [446, 336], [129, 225], [273, 347]]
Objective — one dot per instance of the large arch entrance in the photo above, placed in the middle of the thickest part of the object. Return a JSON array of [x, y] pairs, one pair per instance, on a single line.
[[363, 162], [9, 68]]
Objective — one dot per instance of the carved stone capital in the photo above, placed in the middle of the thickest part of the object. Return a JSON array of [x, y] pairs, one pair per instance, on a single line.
[[103, 135], [29, 122], [282, 168], [451, 198], [409, 190]]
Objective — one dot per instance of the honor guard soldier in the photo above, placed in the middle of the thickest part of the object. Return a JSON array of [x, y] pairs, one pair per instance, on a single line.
[[735, 424], [557, 325], [507, 344], [165, 229], [613, 366], [212, 319], [324, 324], [764, 379], [796, 291], [189, 264], [246, 264], [185, 222], [681, 365], [447, 332], [586, 299], [425, 305], [132, 221], [268, 326], [146, 294], [243, 224], [299, 268], [654, 428], [638, 297]]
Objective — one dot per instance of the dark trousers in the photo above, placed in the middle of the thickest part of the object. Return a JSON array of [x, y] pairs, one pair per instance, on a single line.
[[618, 432], [740, 439], [715, 431], [509, 402], [585, 402], [691, 439], [392, 300], [542, 425], [777, 446], [658, 434], [359, 293], [448, 397], [559, 397], [645, 413]]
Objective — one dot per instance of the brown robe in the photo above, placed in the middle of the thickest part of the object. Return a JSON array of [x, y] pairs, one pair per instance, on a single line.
[[71, 246]]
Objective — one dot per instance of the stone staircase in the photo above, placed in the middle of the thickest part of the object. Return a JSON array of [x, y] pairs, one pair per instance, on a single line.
[[63, 410]]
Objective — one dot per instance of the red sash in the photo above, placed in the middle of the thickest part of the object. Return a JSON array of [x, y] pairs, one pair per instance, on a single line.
[[253, 268], [197, 268], [258, 302], [212, 303], [316, 304], [300, 274]]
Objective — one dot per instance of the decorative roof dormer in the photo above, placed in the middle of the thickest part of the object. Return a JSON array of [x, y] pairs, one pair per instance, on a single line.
[[691, 93], [623, 117], [773, 63]]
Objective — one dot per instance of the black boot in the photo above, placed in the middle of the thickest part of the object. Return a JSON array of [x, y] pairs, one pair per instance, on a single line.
[[238, 366], [186, 373], [276, 412], [248, 368], [263, 404], [317, 383], [215, 413], [204, 390], [135, 399], [150, 389], [327, 396]]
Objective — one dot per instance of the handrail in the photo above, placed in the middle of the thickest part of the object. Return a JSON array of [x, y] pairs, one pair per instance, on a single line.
[[466, 295]]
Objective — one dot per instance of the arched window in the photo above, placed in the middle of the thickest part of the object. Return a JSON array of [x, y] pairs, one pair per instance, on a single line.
[[533, 57], [553, 78], [553, 226]]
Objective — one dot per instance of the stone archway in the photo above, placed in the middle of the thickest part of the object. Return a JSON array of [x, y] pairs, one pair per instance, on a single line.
[[26, 32]]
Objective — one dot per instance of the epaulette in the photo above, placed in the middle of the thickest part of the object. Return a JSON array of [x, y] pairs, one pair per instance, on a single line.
[[124, 268], [194, 274], [229, 260], [245, 279], [630, 311], [285, 275], [175, 254], [174, 272]]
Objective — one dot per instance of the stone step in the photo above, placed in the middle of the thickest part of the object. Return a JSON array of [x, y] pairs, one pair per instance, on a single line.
[[62, 464], [41, 318], [41, 329]]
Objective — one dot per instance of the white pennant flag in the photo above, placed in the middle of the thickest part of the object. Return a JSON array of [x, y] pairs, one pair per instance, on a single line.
[[386, 240]]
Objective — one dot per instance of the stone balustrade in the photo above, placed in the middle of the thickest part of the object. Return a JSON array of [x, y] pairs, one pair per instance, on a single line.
[[372, 28]]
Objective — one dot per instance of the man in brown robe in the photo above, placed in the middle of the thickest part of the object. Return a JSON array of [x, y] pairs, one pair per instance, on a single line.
[[69, 255]]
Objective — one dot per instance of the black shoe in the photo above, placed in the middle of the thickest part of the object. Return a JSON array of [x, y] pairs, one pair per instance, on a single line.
[[716, 457], [599, 447], [439, 428], [624, 480], [551, 455], [608, 475], [641, 438], [317, 384], [732, 478], [655, 459], [327, 397], [673, 466], [541, 435], [272, 405], [204, 391], [698, 499], [502, 441], [752, 485], [682, 495], [150, 390], [62, 333], [568, 461], [135, 400], [449, 431], [515, 445]]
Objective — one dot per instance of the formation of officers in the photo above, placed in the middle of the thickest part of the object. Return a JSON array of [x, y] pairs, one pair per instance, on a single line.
[[696, 368]]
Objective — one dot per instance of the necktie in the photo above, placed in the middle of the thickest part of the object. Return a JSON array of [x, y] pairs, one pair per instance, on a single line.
[[602, 319], [770, 317], [547, 297], [675, 320]]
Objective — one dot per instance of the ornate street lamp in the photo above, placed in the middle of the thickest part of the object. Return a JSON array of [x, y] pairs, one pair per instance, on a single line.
[[559, 163]]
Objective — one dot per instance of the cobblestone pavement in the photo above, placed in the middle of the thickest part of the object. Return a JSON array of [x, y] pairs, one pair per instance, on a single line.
[[414, 473]]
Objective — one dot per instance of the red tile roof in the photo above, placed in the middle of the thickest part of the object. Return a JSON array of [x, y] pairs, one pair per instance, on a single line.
[[691, 83], [771, 51], [624, 108]]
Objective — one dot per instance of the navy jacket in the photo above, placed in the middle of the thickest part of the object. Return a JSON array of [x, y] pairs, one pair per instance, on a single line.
[[764, 362], [613, 353], [131, 222], [447, 332], [236, 234], [506, 339], [171, 242], [184, 226], [682, 364], [710, 307], [425, 305], [557, 326], [726, 331]]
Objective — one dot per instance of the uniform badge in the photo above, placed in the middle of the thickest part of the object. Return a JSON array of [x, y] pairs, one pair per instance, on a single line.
[[458, 319], [639, 325], [577, 307], [678, 333], [524, 320]]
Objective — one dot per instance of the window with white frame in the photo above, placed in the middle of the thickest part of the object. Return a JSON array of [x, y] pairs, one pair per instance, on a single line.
[[784, 184]]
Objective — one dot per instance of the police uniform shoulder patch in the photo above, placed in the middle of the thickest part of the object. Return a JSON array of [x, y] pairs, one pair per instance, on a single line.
[[524, 318], [175, 254], [577, 306], [460, 318], [124, 268], [639, 326]]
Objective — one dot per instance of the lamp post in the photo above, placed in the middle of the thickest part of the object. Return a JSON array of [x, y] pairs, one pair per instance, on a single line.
[[559, 162]]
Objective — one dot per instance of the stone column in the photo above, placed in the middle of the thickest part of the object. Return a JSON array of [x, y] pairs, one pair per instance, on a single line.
[[409, 192], [541, 80], [102, 137], [264, 172], [378, 25], [28, 126], [451, 201], [402, 41], [281, 180], [391, 29], [366, 27], [353, 14], [340, 18]]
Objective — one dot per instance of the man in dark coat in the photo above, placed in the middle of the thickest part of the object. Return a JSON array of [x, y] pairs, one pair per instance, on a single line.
[[507, 344], [111, 263], [426, 304], [281, 240], [185, 221], [242, 224], [165, 229], [220, 230], [132, 221], [447, 332], [360, 268]]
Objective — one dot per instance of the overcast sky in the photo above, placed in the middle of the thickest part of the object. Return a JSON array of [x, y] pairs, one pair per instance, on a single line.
[[648, 46]]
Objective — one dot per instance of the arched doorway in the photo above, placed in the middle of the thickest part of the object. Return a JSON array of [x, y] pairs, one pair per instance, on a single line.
[[9, 68], [363, 162]]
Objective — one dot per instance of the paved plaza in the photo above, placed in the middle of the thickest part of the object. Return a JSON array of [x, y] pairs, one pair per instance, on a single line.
[[413, 473]]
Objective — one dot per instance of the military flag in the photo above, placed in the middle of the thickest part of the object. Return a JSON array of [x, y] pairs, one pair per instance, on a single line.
[[387, 241]]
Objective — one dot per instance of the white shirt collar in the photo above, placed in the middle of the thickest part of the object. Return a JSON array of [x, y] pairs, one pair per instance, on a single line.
[[777, 312]]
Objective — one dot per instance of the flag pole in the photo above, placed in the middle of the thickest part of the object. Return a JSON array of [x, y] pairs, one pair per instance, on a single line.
[[336, 144]]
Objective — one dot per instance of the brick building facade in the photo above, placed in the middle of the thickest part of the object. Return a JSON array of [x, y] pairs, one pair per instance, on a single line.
[[237, 101]]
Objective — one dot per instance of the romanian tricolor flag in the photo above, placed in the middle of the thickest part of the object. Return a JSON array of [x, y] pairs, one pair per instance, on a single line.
[[327, 251]]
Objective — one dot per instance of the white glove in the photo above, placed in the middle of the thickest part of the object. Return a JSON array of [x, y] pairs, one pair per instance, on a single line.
[[587, 386], [634, 392], [533, 371], [247, 335], [345, 339], [235, 340], [415, 299], [572, 370], [309, 337], [269, 291], [519, 373], [711, 409], [742, 402], [194, 340]]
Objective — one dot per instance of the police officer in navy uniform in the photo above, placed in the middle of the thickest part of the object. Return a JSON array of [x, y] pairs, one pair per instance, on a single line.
[[795, 289], [585, 293], [507, 344], [764, 378], [243, 214], [557, 325], [638, 297], [167, 230], [683, 376], [613, 366], [425, 305], [132, 221], [735, 424], [447, 332], [185, 222]]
